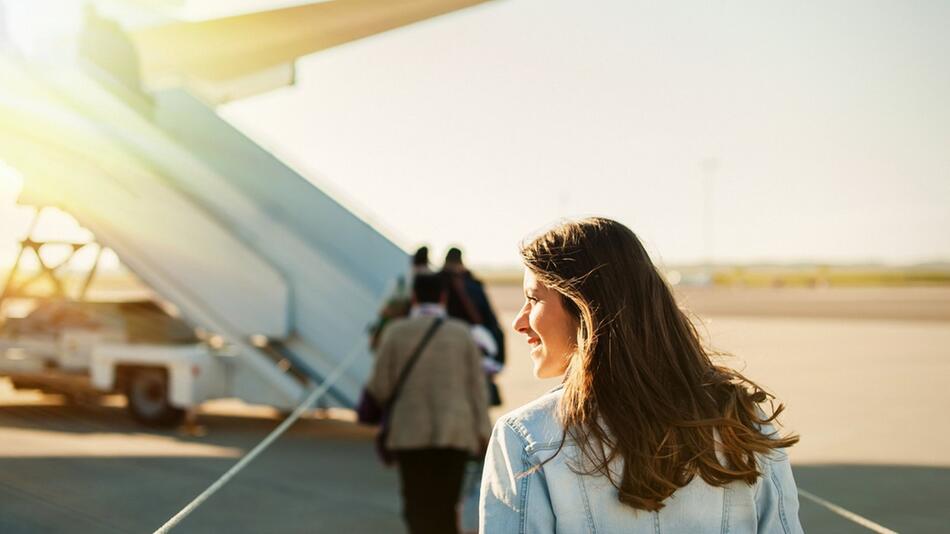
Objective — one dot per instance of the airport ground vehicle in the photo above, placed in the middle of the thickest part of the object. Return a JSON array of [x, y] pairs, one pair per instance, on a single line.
[[136, 348]]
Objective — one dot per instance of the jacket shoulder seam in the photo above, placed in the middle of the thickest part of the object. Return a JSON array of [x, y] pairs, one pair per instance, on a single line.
[[781, 500]]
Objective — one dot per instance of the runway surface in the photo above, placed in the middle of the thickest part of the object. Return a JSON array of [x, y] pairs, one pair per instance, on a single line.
[[863, 375]]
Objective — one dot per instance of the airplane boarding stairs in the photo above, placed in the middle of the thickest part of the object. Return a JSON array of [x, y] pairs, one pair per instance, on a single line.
[[240, 243]]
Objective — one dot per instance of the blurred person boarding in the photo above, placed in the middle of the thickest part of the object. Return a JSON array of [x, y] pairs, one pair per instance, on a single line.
[[440, 417], [468, 301]]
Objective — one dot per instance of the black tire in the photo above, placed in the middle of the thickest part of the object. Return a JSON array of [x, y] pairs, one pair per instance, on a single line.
[[146, 390]]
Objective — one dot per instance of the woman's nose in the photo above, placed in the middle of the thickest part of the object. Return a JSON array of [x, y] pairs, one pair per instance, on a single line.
[[520, 323]]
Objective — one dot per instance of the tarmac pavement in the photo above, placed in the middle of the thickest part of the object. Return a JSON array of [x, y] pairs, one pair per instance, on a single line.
[[867, 396], [321, 476]]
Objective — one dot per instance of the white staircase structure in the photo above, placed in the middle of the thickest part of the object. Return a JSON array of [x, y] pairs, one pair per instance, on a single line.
[[244, 246]]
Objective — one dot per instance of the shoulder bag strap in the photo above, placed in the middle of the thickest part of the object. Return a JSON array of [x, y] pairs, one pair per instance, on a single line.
[[412, 360]]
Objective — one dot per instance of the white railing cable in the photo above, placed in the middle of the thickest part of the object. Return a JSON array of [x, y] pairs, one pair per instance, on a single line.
[[276, 433], [847, 514]]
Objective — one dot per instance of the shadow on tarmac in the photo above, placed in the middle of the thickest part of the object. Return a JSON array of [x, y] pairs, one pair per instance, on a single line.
[[322, 476]]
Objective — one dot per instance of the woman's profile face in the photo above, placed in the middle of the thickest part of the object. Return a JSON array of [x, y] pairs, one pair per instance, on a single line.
[[551, 331]]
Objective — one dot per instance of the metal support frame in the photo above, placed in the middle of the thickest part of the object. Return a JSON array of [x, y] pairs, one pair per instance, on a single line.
[[48, 271]]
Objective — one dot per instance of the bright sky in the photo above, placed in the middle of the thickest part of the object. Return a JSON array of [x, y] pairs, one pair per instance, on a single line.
[[828, 123], [823, 127]]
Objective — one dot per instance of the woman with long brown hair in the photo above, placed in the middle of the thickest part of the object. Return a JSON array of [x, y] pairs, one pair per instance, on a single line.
[[646, 433]]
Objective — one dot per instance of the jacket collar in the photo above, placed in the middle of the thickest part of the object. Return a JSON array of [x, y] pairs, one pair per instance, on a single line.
[[427, 309]]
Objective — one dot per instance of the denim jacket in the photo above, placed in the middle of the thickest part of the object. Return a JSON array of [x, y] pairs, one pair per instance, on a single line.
[[556, 499]]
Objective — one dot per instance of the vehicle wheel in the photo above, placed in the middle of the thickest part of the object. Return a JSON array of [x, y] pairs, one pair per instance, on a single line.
[[147, 393]]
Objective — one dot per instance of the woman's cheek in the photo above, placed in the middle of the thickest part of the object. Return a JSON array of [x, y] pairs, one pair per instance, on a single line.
[[533, 319]]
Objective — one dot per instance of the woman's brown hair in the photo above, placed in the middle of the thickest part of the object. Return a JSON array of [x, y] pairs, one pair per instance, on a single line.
[[640, 386]]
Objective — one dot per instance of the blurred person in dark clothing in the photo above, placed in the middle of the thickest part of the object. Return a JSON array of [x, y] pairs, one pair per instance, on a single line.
[[468, 301], [420, 261]]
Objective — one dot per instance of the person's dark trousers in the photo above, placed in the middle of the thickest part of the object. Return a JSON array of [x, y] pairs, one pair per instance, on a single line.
[[431, 486]]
